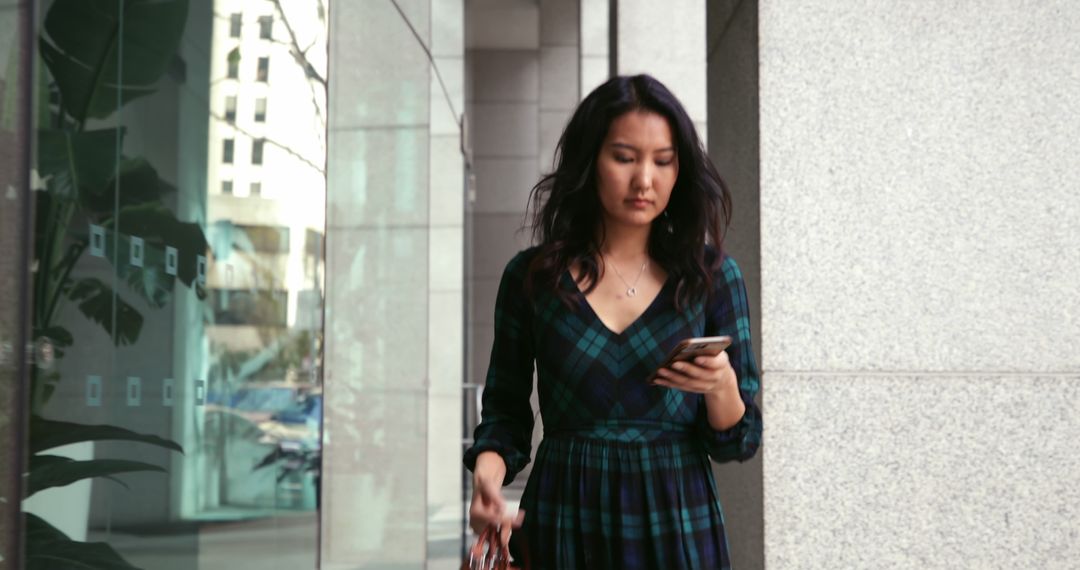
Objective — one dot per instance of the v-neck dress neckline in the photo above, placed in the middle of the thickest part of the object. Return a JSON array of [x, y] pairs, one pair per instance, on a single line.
[[568, 280]]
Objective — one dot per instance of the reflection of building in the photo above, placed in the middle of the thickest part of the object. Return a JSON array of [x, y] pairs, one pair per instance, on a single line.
[[265, 173], [265, 186]]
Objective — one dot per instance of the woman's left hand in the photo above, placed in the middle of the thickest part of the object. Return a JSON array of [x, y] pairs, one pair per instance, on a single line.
[[702, 375]]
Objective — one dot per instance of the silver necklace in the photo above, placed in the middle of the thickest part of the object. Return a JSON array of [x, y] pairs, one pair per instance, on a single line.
[[631, 290]]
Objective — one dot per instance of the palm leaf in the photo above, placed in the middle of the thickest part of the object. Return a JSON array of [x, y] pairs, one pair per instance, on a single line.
[[96, 299], [47, 434], [81, 49], [47, 471]]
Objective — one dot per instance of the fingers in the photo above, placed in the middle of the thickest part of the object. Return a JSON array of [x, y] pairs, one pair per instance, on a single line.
[[506, 524], [683, 372], [504, 530], [487, 507], [509, 524], [694, 377], [714, 362]]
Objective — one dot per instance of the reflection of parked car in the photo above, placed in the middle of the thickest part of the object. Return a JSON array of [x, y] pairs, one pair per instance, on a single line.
[[269, 425], [297, 456], [301, 411], [280, 411], [299, 423], [255, 402]]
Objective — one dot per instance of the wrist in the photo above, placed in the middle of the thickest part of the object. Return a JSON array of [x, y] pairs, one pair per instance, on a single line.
[[727, 388], [490, 467]]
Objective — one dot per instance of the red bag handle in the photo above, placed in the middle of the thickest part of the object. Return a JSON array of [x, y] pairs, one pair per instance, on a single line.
[[489, 553]]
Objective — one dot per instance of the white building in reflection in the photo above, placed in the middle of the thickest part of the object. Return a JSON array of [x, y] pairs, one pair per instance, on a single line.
[[265, 176]]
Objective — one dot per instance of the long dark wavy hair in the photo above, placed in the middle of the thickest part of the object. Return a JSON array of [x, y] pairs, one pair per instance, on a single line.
[[565, 204]]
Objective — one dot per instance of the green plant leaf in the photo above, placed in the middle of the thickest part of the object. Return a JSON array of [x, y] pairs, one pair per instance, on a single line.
[[79, 164], [72, 555], [47, 434], [151, 284], [139, 182], [56, 471], [57, 334], [39, 530], [95, 300], [134, 181], [48, 391], [80, 48]]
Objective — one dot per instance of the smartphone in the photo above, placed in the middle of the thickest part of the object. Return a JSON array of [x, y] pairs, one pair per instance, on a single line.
[[691, 348]]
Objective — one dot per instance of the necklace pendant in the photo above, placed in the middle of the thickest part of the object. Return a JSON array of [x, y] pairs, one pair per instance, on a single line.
[[631, 292]]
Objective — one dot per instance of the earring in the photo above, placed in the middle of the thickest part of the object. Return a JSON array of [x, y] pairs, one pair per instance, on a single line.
[[670, 225]]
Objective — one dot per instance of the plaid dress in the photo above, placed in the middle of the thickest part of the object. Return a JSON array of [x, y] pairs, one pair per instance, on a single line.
[[622, 476]]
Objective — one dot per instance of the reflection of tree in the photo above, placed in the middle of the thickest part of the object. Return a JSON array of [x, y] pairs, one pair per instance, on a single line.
[[301, 58], [317, 84]]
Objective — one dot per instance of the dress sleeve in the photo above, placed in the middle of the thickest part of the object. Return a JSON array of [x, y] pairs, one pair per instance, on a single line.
[[506, 417], [727, 313]]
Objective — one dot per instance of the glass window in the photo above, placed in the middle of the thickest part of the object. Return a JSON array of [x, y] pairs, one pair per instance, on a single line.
[[313, 243], [234, 63], [184, 366], [262, 239], [235, 23], [257, 151], [260, 110], [266, 27], [256, 188], [263, 73], [230, 108], [250, 307]]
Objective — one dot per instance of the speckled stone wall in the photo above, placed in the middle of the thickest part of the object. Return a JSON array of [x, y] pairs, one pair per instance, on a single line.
[[920, 226]]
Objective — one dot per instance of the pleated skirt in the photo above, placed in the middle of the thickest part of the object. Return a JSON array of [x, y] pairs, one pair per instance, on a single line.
[[596, 503]]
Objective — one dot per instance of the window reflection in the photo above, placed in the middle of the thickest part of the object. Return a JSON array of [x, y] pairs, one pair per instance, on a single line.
[[235, 22], [260, 110], [234, 64], [180, 315], [227, 151], [263, 72], [257, 151], [230, 108], [266, 24]]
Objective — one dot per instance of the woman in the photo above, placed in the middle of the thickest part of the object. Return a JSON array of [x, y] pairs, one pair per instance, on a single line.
[[629, 263]]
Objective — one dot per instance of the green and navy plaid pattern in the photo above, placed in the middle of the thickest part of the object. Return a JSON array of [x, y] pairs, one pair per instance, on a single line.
[[622, 476]]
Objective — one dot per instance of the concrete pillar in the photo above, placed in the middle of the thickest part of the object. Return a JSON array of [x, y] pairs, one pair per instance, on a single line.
[[504, 99], [920, 222], [560, 59], [667, 41], [15, 279], [446, 280], [394, 287], [523, 71], [595, 38], [733, 146]]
